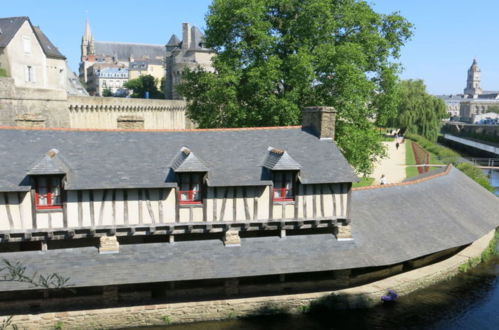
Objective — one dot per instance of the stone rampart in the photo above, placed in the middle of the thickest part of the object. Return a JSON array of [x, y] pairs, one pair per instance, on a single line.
[[486, 133], [54, 108], [161, 314]]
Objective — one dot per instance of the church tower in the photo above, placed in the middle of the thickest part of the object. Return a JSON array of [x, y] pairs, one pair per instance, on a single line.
[[87, 42], [87, 52], [473, 82]]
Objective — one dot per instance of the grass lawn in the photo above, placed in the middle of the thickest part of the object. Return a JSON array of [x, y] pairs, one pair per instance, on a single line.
[[363, 182], [410, 171]]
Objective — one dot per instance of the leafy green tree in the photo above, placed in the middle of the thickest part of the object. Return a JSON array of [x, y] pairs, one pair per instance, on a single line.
[[107, 92], [418, 111], [143, 84], [274, 57], [493, 108]]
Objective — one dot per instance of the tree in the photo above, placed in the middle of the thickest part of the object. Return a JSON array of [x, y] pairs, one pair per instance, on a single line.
[[493, 108], [143, 84], [274, 57], [419, 112], [16, 272], [106, 92]]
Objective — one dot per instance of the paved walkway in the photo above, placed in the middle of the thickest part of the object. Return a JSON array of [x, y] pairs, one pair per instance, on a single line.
[[392, 166]]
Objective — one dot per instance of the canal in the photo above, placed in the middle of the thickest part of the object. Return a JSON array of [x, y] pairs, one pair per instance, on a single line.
[[467, 301]]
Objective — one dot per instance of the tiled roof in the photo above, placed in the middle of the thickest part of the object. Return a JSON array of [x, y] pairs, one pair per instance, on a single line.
[[135, 159], [390, 225]]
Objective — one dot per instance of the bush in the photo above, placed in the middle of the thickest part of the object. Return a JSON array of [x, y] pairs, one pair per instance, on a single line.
[[476, 174], [448, 156], [3, 72]]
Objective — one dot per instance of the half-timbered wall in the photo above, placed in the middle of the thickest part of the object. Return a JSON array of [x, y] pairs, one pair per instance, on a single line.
[[123, 207], [120, 207], [15, 211]]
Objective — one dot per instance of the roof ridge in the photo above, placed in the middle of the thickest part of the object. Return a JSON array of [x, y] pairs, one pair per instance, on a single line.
[[25, 17], [129, 43], [406, 183], [20, 128]]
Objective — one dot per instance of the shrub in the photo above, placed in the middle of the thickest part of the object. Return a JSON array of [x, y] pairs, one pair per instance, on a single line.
[[476, 174], [3, 72]]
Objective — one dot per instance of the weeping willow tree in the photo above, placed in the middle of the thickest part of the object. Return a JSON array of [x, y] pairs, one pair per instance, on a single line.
[[418, 111]]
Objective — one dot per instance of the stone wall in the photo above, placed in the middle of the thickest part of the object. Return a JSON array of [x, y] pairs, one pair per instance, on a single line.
[[19, 105], [161, 314], [486, 133]]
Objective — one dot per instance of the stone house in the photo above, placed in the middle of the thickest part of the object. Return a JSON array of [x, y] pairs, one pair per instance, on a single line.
[[29, 57]]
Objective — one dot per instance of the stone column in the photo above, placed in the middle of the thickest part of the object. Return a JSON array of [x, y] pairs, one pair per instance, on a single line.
[[231, 238], [109, 245], [344, 232]]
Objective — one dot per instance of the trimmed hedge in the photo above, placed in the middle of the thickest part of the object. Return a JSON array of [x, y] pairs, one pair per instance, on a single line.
[[448, 156]]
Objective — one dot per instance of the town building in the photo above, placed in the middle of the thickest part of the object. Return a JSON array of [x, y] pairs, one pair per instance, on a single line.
[[474, 100], [160, 61], [136, 217], [107, 76], [31, 59]]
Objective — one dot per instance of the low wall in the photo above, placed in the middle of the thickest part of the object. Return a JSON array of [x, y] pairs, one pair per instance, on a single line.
[[362, 296], [487, 133], [54, 108]]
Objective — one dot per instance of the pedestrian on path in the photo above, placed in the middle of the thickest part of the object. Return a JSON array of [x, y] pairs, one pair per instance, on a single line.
[[382, 180], [397, 145]]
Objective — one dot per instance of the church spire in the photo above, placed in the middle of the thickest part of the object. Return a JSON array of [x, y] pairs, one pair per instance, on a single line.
[[87, 42]]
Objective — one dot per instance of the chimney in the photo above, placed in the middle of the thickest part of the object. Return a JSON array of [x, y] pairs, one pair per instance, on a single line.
[[321, 120], [186, 37]]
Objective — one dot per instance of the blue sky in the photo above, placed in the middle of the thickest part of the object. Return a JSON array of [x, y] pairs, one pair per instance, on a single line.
[[448, 33]]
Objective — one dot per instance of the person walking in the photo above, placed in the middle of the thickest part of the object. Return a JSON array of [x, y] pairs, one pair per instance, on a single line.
[[382, 180], [397, 145]]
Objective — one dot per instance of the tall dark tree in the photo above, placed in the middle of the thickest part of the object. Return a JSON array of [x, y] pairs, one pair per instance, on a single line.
[[143, 85], [276, 56], [418, 111]]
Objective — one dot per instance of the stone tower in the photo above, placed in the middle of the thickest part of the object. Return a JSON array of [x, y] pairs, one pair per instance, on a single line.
[[189, 53], [473, 82], [87, 42]]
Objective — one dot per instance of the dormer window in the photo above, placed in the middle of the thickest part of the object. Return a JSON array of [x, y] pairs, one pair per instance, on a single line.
[[284, 186], [190, 188], [48, 191]]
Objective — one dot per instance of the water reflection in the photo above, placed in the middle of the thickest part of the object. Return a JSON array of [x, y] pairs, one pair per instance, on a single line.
[[468, 301]]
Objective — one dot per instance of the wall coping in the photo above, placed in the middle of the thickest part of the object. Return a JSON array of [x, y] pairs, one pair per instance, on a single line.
[[406, 183]]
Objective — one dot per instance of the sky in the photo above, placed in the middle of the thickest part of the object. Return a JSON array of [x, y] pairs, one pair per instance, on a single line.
[[448, 34]]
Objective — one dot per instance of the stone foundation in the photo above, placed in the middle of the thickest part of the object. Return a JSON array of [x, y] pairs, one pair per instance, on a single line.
[[161, 314]]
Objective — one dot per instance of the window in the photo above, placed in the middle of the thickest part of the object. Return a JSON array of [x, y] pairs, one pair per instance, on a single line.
[[29, 73], [190, 188], [48, 192], [283, 186], [26, 44]]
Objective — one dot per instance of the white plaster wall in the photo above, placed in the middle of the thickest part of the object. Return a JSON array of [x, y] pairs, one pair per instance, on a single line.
[[19, 60]]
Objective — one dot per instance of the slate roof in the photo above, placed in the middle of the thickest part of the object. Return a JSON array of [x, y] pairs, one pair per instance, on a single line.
[[174, 40], [391, 224], [48, 47], [50, 163], [126, 50], [116, 159], [280, 160], [9, 27], [186, 161]]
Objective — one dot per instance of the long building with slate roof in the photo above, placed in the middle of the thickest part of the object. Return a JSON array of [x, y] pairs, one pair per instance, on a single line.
[[179, 215]]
